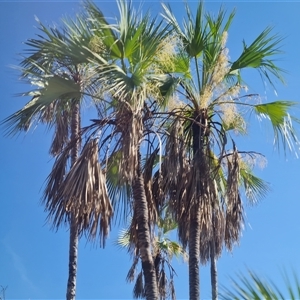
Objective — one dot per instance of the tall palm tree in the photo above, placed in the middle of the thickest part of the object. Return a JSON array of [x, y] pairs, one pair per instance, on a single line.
[[129, 80], [208, 107], [58, 68]]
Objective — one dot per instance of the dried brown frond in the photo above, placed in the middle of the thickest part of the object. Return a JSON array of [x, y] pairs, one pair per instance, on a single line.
[[206, 228], [139, 290], [163, 284], [234, 205], [148, 178], [175, 165], [130, 126], [174, 178], [219, 230], [214, 234], [61, 134], [172, 290], [132, 271], [48, 112], [51, 199], [83, 193]]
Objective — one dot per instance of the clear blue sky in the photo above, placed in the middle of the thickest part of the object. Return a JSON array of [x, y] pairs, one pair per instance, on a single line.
[[33, 259]]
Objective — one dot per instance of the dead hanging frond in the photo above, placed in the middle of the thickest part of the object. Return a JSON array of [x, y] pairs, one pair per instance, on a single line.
[[61, 134], [46, 115], [234, 206], [129, 125], [218, 221], [206, 227], [133, 269], [139, 289], [53, 203], [165, 280], [83, 193], [162, 284], [172, 184], [172, 290], [148, 181], [214, 234], [175, 169]]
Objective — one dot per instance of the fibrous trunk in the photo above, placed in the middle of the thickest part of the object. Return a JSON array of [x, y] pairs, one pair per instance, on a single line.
[[143, 232], [213, 265], [199, 131], [194, 254], [73, 246]]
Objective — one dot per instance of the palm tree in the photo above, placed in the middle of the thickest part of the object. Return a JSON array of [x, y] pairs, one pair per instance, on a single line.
[[129, 82], [209, 106], [58, 68]]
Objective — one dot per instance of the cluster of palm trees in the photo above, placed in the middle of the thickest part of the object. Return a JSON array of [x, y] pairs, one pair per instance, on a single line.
[[168, 105]]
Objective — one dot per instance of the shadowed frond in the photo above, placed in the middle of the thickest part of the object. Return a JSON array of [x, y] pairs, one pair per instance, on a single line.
[[139, 290]]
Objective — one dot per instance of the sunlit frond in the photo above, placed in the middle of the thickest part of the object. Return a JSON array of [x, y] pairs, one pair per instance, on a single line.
[[283, 123], [255, 187], [260, 55], [49, 89]]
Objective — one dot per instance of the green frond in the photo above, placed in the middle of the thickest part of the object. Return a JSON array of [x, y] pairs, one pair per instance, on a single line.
[[101, 28], [282, 122], [255, 187], [194, 34], [49, 89], [123, 240], [216, 24], [168, 85], [57, 48], [260, 55]]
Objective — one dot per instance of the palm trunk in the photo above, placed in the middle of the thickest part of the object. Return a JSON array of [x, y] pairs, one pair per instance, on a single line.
[[73, 243], [143, 232], [194, 255], [213, 265], [73, 249], [199, 133]]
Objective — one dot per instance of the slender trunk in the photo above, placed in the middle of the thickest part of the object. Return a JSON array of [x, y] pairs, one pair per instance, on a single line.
[[73, 249], [199, 134], [194, 255], [143, 231], [213, 265], [73, 243]]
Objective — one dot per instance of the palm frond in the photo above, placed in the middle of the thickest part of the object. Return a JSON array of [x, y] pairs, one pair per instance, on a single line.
[[255, 187], [49, 89], [260, 55], [83, 193], [282, 122], [139, 289]]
